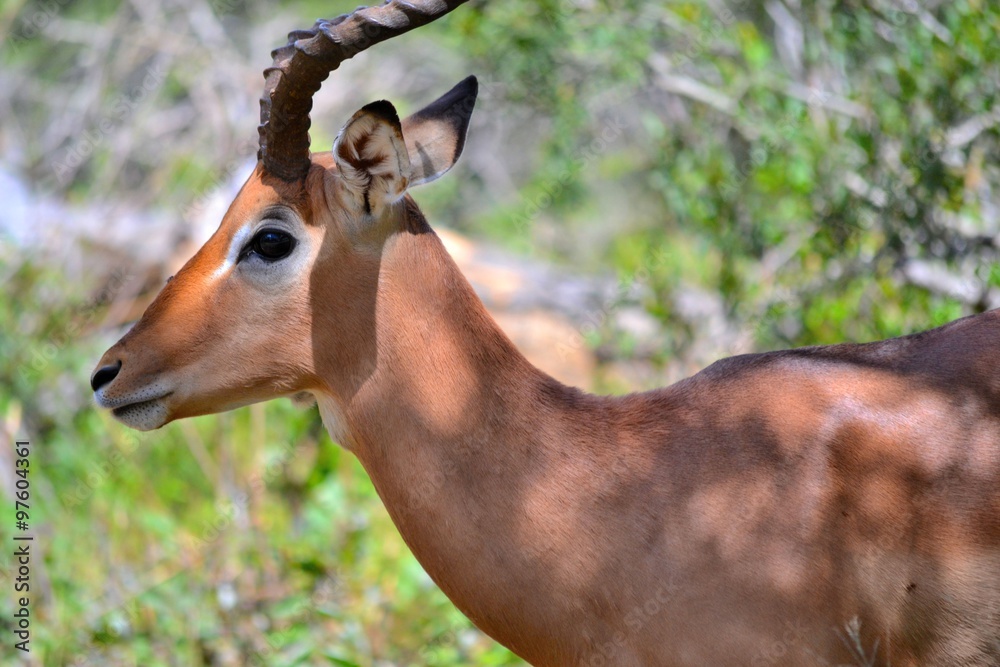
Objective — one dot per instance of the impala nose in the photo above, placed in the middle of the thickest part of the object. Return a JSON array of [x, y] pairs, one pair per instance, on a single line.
[[104, 375]]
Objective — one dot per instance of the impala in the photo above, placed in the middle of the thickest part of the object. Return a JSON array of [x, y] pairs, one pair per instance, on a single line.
[[825, 505]]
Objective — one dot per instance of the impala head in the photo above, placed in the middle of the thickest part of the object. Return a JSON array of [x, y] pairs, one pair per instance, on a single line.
[[298, 250]]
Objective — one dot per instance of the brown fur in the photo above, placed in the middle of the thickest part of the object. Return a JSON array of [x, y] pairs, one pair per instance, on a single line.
[[828, 506]]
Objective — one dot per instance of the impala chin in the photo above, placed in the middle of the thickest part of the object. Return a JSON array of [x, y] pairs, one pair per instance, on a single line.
[[143, 410], [143, 416]]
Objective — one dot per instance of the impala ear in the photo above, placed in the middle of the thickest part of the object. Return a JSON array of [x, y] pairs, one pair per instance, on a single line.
[[372, 159], [435, 135]]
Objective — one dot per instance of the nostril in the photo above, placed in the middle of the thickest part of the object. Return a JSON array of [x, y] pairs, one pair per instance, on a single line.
[[104, 375]]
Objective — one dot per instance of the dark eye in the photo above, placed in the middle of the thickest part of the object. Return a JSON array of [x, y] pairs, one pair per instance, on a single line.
[[272, 244]]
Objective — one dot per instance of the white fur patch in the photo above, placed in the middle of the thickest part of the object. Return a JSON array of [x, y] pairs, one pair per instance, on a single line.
[[236, 244], [333, 421], [370, 140]]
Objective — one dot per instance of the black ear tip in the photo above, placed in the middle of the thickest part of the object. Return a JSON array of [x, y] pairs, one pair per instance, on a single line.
[[467, 88], [469, 84], [384, 110]]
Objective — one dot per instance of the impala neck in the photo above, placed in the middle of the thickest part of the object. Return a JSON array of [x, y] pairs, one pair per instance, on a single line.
[[463, 438]]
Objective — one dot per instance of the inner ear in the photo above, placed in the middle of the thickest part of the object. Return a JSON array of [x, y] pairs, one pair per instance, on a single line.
[[435, 135], [372, 158]]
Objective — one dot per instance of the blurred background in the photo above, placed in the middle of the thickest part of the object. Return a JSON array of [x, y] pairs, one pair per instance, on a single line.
[[647, 187]]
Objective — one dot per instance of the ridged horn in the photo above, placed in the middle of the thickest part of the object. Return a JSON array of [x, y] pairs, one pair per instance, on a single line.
[[301, 66]]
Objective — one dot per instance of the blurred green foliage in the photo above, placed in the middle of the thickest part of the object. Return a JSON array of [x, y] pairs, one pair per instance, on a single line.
[[797, 161], [807, 183]]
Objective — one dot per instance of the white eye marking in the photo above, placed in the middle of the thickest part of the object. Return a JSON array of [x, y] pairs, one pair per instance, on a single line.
[[239, 240]]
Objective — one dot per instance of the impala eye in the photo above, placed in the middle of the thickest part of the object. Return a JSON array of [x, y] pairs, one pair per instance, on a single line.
[[272, 244]]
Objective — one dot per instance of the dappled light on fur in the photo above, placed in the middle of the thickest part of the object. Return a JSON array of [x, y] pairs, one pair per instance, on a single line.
[[840, 502]]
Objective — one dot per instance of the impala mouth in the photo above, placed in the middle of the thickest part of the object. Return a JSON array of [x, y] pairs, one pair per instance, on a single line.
[[144, 414]]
